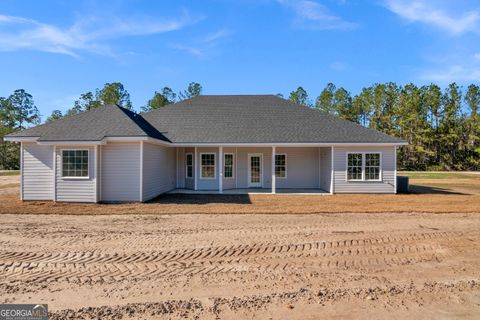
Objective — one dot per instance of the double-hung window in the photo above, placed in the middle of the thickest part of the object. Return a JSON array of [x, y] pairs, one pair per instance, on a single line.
[[228, 165], [189, 165], [281, 165], [363, 166], [75, 163], [208, 165]]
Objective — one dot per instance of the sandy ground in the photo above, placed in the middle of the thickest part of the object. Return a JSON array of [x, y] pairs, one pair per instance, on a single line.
[[428, 196], [348, 266]]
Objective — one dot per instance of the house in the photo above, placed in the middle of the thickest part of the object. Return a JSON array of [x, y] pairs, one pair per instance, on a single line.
[[219, 144]]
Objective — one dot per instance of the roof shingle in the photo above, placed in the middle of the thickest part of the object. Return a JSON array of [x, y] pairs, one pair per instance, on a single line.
[[212, 119]]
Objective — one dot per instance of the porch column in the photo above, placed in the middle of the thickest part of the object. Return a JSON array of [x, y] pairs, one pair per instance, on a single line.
[[220, 169], [273, 171]]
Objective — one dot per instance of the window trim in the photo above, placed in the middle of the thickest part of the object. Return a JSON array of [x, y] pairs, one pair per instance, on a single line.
[[286, 166], [363, 153], [186, 166], [87, 177], [233, 165], [214, 166]]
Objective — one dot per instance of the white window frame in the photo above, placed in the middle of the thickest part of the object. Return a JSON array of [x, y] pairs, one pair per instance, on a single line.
[[364, 161], [233, 165], [76, 177], [286, 166], [186, 165], [214, 166]]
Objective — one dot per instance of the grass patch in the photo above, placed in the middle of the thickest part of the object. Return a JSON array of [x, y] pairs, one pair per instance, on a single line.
[[10, 173], [436, 175]]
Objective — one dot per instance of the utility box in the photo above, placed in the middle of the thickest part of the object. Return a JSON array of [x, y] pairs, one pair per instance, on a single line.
[[402, 184]]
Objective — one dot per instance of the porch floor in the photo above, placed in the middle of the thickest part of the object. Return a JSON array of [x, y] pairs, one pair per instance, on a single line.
[[253, 191]]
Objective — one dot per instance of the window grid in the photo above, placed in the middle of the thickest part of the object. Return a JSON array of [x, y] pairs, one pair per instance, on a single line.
[[372, 166], [189, 165], [74, 163], [228, 166], [280, 165], [364, 166], [354, 168], [208, 165]]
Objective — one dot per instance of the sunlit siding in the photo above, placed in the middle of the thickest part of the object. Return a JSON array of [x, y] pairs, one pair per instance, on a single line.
[[158, 170], [387, 185], [37, 172], [325, 168], [76, 189], [120, 171]]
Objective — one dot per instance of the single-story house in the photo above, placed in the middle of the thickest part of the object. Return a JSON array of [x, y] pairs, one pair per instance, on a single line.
[[209, 143]]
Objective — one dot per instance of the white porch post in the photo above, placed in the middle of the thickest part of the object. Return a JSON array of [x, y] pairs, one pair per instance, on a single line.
[[220, 169], [274, 187], [195, 171]]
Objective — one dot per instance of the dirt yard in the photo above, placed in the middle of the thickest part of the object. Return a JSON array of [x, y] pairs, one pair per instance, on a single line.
[[357, 257], [348, 266], [430, 193]]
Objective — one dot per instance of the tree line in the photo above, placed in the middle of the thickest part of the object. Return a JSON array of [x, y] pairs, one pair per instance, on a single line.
[[442, 127]]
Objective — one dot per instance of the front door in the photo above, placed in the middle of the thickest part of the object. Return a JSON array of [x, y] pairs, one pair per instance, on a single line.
[[255, 170]]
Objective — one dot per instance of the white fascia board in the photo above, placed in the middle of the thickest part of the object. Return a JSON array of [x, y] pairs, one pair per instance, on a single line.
[[20, 139], [105, 141], [70, 143], [289, 144]]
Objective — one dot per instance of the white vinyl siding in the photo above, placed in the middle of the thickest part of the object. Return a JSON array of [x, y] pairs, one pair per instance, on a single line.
[[387, 171], [325, 168], [301, 166], [158, 170], [37, 172], [76, 189], [121, 171]]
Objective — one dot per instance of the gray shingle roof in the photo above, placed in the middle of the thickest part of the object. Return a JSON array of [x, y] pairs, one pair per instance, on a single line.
[[93, 125], [212, 119], [256, 119]]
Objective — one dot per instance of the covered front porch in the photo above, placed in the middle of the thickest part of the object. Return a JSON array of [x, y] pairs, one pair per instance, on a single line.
[[246, 169]]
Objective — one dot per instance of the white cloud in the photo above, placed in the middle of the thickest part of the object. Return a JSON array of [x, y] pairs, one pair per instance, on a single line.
[[459, 68], [313, 15], [217, 35], [87, 34], [426, 12], [203, 46]]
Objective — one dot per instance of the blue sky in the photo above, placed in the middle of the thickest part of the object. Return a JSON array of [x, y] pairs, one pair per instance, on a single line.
[[57, 50]]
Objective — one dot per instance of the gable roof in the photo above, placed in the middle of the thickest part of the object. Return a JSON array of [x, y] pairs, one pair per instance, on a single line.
[[256, 119], [94, 125], [212, 119]]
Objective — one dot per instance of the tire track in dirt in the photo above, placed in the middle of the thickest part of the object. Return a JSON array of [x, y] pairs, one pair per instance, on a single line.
[[96, 266]]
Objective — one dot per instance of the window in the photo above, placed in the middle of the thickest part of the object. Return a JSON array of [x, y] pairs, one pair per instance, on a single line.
[[363, 166], [355, 164], [189, 165], [74, 163], [281, 165], [228, 167], [372, 166], [208, 165]]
